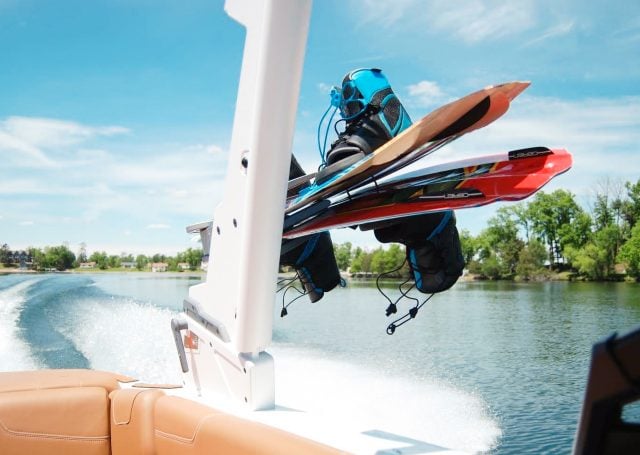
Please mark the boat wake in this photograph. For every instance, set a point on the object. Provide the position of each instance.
(70, 322)
(123, 335)
(410, 411)
(14, 351)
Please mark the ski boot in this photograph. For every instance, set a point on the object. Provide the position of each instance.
(311, 256)
(433, 248)
(372, 114)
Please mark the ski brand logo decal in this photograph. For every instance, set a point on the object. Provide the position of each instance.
(463, 194)
(529, 153)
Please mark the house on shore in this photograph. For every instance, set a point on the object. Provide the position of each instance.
(159, 267)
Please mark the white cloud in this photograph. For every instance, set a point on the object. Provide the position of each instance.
(471, 21)
(25, 140)
(17, 150)
(383, 13)
(47, 132)
(88, 192)
(211, 149)
(425, 94)
(552, 32)
(474, 21)
(26, 223)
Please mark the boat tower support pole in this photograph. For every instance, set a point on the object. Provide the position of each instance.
(236, 303)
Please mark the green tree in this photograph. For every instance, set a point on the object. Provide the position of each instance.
(590, 261)
(5, 254)
(141, 261)
(37, 258)
(114, 261)
(521, 216)
(395, 257)
(158, 258)
(58, 257)
(630, 207)
(578, 232)
(124, 257)
(531, 260)
(630, 253)
(173, 262)
(596, 260)
(378, 261)
(549, 213)
(491, 267)
(193, 257)
(342, 252)
(387, 260)
(500, 245)
(602, 212)
(361, 262)
(101, 259)
(469, 246)
(608, 240)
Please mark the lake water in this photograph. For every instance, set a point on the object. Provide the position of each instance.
(497, 367)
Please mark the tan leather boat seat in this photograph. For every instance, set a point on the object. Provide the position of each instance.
(132, 429)
(56, 411)
(186, 427)
(68, 420)
(84, 412)
(12, 381)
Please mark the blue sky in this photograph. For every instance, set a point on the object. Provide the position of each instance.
(115, 116)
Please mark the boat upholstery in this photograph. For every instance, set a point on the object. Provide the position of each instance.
(54, 379)
(70, 421)
(132, 421)
(74, 412)
(185, 427)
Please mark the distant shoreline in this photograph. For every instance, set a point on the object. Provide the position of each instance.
(12, 271)
(466, 278)
(9, 271)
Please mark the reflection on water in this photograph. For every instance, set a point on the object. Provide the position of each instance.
(485, 364)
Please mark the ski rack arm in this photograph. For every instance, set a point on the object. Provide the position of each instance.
(204, 229)
(246, 234)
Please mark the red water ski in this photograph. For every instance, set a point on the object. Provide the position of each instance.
(508, 180)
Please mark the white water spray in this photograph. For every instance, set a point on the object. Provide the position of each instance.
(122, 335)
(410, 411)
(14, 352)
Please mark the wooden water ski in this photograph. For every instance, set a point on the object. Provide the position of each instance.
(436, 129)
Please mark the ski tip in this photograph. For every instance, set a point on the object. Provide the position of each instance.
(510, 89)
(513, 89)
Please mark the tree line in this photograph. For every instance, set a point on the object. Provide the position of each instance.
(535, 239)
(530, 240)
(62, 258)
(359, 261)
